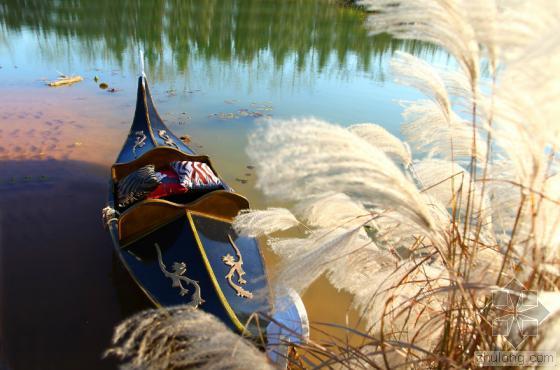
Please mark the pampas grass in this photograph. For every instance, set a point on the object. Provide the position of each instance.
(422, 239)
(255, 223)
(182, 338)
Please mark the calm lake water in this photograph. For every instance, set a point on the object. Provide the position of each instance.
(212, 65)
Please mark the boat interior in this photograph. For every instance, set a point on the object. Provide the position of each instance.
(147, 215)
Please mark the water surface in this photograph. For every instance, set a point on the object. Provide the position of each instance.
(214, 67)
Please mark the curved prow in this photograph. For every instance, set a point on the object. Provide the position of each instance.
(148, 130)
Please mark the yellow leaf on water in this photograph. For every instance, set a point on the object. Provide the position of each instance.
(65, 81)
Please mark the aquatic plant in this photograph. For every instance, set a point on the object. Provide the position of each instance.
(422, 244)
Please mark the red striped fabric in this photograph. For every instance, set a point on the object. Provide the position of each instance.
(196, 175)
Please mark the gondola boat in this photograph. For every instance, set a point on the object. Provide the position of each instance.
(179, 245)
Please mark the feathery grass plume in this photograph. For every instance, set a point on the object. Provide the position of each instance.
(182, 337)
(441, 22)
(255, 223)
(384, 140)
(431, 132)
(527, 110)
(315, 254)
(397, 233)
(331, 210)
(432, 125)
(414, 72)
(300, 158)
(448, 182)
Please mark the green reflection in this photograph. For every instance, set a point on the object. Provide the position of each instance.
(239, 30)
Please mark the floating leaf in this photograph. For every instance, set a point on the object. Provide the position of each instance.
(64, 80)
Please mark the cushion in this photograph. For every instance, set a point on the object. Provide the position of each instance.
(169, 185)
(196, 175)
(137, 185)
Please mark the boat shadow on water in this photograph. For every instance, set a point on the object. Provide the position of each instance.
(61, 288)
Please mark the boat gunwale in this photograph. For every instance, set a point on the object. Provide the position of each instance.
(179, 207)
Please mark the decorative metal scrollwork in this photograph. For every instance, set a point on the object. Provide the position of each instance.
(236, 268)
(177, 278)
(140, 141)
(166, 139)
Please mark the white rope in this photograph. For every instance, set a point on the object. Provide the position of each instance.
(109, 215)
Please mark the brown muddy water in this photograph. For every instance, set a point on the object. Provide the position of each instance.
(209, 64)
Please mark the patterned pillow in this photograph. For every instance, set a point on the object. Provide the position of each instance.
(196, 175)
(137, 185)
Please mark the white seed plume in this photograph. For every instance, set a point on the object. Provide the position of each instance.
(182, 337)
(316, 254)
(414, 72)
(444, 23)
(384, 140)
(263, 222)
(300, 158)
(432, 125)
(332, 210)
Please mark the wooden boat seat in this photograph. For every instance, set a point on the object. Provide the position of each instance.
(159, 157)
(148, 215)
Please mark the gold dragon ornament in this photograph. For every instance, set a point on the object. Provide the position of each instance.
(236, 268)
(140, 141)
(178, 277)
(166, 139)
